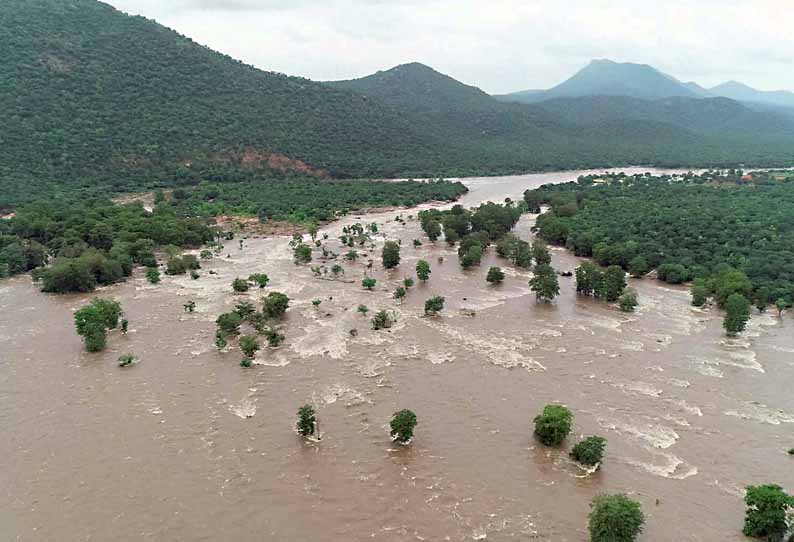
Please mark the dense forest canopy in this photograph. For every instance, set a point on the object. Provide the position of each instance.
(301, 201)
(687, 227)
(97, 100)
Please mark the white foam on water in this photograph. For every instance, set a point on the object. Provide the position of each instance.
(246, 408)
(340, 392)
(673, 467)
(657, 436)
(636, 388)
(751, 410)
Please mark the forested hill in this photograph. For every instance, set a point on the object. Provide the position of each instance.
(97, 99)
(90, 93)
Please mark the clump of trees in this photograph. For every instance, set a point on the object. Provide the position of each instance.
(553, 424)
(94, 320)
(608, 285)
(615, 518)
(766, 516)
(402, 425)
(240, 285)
(590, 451)
(260, 279)
(302, 253)
(275, 305)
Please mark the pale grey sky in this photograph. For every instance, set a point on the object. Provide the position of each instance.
(497, 45)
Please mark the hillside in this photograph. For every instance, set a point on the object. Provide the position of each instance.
(744, 93)
(608, 78)
(91, 93)
(709, 116)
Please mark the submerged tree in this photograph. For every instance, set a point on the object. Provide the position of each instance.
(553, 425)
(402, 426)
(615, 518)
(307, 420)
(126, 360)
(399, 293)
(302, 254)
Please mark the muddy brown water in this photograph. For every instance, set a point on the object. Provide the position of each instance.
(187, 446)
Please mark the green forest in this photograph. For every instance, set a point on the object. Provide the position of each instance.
(301, 201)
(713, 226)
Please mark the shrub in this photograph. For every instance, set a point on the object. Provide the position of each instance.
(240, 285)
(628, 301)
(590, 451)
(126, 359)
(153, 275)
(615, 518)
(176, 266)
(553, 425)
(302, 254)
(382, 320)
(402, 425)
(273, 337)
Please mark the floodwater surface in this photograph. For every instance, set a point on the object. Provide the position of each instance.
(188, 446)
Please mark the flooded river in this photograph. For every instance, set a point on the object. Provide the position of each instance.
(188, 446)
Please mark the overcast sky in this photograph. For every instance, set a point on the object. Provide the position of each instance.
(497, 45)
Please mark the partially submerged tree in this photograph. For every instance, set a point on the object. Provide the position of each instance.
(434, 305)
(495, 275)
(126, 360)
(544, 283)
(399, 293)
(737, 314)
(628, 301)
(153, 275)
(275, 305)
(307, 420)
(615, 518)
(766, 512)
(229, 323)
(423, 270)
(369, 283)
(240, 285)
(249, 345)
(93, 321)
(402, 426)
(260, 279)
(780, 305)
(553, 425)
(590, 451)
(700, 293)
(363, 309)
(382, 320)
(302, 254)
(391, 254)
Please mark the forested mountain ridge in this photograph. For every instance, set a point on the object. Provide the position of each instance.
(98, 100)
